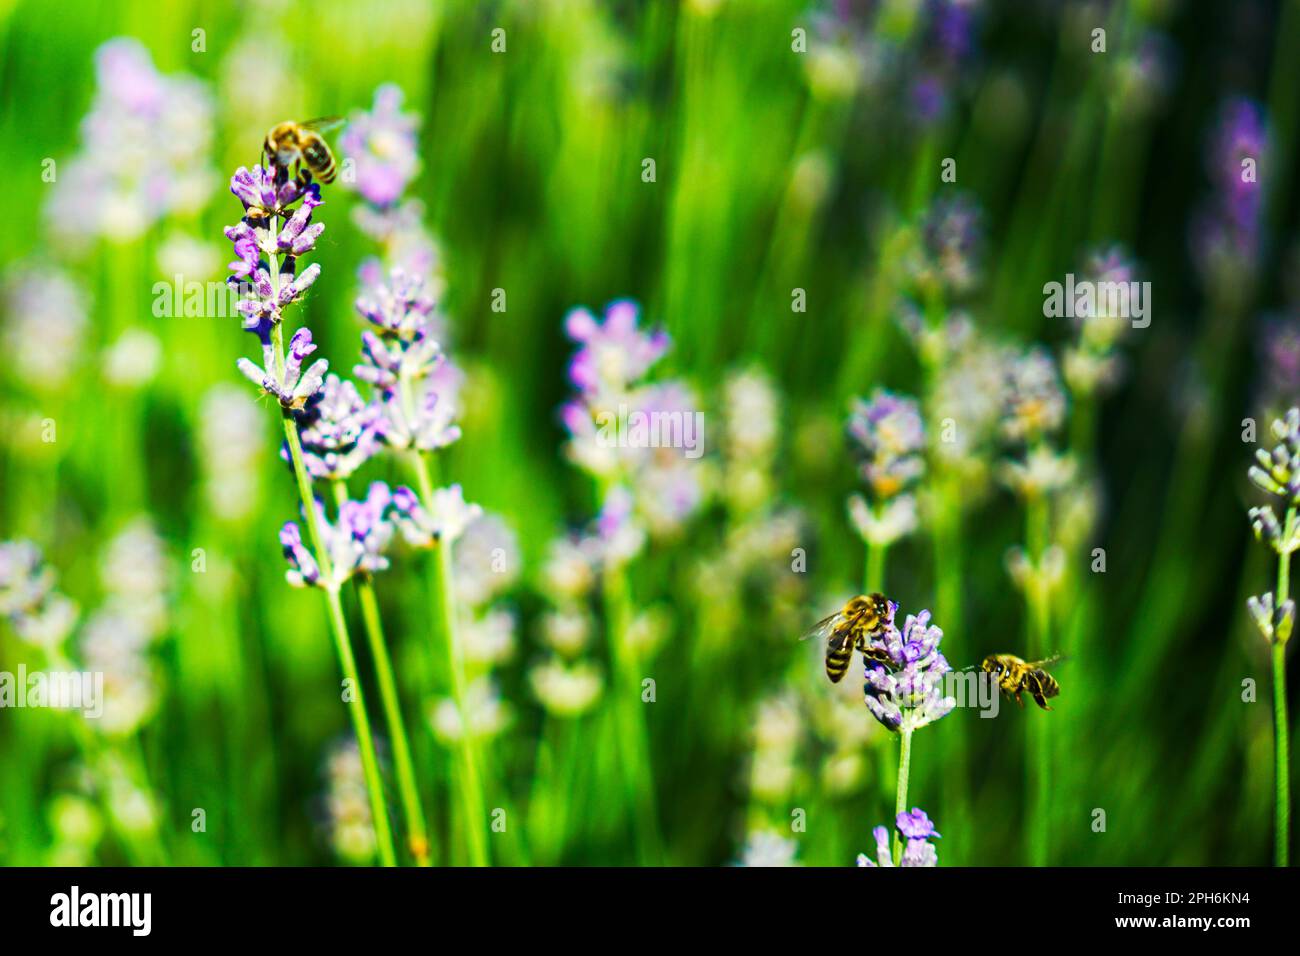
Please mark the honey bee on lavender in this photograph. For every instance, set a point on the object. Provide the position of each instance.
(853, 626)
(303, 144)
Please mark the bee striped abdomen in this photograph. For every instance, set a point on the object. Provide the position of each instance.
(839, 652)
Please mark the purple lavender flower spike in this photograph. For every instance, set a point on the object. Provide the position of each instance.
(615, 354)
(339, 431)
(367, 523)
(916, 825)
(891, 441)
(303, 570)
(446, 518)
(909, 696)
(917, 830)
(297, 386)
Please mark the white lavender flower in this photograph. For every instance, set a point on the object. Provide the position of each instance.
(231, 450)
(764, 848)
(38, 613)
(45, 325)
(487, 560)
(566, 690)
(485, 713)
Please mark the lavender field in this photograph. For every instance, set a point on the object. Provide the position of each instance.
(450, 482)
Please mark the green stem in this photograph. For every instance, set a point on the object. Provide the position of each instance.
(1281, 731)
(630, 719)
(418, 838)
(900, 798)
(338, 624)
(1037, 536)
(875, 574)
(442, 584)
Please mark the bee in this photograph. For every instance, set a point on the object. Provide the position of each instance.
(862, 618)
(1016, 677)
(303, 144)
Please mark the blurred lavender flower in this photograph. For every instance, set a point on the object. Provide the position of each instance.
(566, 690)
(38, 613)
(487, 560)
(144, 150)
(1227, 234)
(230, 449)
(910, 696)
(1041, 472)
(951, 243)
(445, 520)
(1090, 364)
(1034, 401)
(1279, 363)
(485, 713)
(350, 825)
(612, 356)
(890, 441)
(764, 848)
(383, 144)
(648, 488)
(339, 431)
(916, 828)
(751, 428)
(45, 326)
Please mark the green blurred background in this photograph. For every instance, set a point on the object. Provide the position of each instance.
(775, 170)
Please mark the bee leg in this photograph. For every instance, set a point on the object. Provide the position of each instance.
(1040, 700)
(1020, 700)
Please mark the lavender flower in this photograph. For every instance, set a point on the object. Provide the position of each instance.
(1275, 624)
(890, 441)
(917, 829)
(445, 520)
(1034, 402)
(144, 150)
(648, 489)
(356, 542)
(45, 326)
(487, 560)
(384, 146)
(339, 431)
(351, 826)
(1090, 364)
(764, 848)
(951, 241)
(230, 447)
(612, 355)
(566, 690)
(296, 386)
(38, 613)
(1278, 472)
(1227, 234)
(909, 696)
(266, 195)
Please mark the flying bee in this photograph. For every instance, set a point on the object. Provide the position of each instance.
(852, 626)
(1016, 677)
(303, 144)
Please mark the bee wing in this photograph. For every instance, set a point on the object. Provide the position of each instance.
(324, 124)
(1054, 659)
(823, 627)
